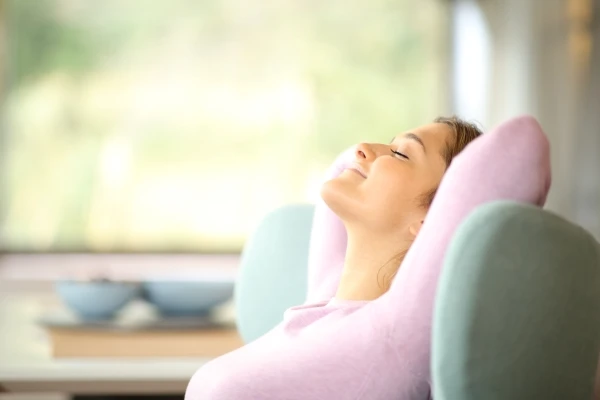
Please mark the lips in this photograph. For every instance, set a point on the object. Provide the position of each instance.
(357, 169)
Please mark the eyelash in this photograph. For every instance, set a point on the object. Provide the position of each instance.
(400, 154)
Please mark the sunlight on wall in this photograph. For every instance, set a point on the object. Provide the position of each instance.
(472, 61)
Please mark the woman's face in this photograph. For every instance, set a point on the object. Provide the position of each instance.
(384, 186)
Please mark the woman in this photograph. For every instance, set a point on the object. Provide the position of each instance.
(371, 341)
(382, 197)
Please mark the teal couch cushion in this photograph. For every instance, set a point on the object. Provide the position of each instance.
(517, 313)
(272, 275)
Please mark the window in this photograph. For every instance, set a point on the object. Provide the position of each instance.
(174, 126)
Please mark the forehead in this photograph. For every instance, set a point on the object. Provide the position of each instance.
(434, 132)
(434, 136)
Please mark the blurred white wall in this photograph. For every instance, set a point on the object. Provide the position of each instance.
(538, 57)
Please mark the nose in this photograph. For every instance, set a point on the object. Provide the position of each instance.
(364, 152)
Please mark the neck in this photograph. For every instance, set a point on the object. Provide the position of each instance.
(370, 263)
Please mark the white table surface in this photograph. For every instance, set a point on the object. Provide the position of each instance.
(27, 366)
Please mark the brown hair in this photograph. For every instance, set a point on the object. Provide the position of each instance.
(463, 133)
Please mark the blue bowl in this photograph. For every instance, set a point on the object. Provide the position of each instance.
(187, 298)
(96, 300)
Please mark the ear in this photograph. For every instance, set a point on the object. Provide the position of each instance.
(414, 228)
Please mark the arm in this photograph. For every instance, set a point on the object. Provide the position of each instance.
(327, 242)
(512, 163)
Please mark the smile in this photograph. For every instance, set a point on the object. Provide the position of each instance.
(358, 171)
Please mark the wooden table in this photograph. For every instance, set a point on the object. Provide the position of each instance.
(26, 364)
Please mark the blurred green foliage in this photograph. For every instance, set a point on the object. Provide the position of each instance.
(137, 125)
(38, 42)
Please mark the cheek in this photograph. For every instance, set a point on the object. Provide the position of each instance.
(392, 179)
(389, 190)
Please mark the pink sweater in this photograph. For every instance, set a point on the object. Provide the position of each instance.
(378, 350)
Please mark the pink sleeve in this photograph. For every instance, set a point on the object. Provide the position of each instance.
(327, 243)
(509, 163)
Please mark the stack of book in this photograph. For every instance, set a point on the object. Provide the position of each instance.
(146, 337)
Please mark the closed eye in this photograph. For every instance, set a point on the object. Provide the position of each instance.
(400, 154)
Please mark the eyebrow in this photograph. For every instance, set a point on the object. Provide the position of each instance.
(414, 137)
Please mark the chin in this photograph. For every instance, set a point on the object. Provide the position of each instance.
(342, 198)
